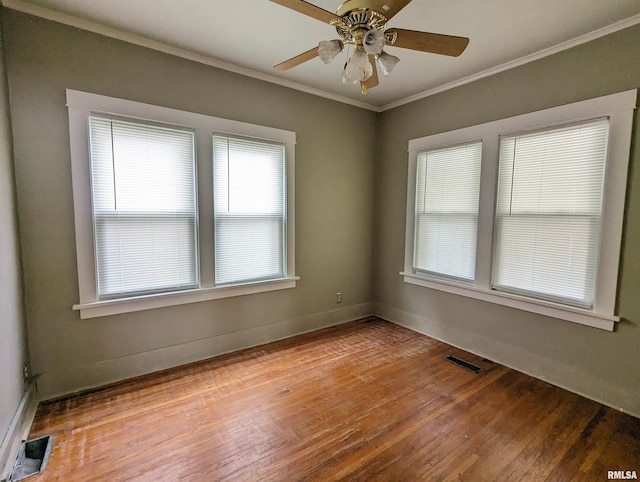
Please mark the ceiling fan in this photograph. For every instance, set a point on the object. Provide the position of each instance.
(363, 24)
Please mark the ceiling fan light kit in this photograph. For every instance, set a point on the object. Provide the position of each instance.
(329, 49)
(373, 41)
(363, 24)
(387, 62)
(358, 68)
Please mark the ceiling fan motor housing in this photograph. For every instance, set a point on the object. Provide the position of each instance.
(351, 5)
(358, 20)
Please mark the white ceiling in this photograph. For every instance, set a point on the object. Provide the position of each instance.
(254, 35)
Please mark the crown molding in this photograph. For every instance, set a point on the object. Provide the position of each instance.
(601, 32)
(73, 21)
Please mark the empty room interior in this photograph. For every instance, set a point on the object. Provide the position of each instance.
(411, 252)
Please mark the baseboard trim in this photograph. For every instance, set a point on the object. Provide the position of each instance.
(18, 430)
(72, 380)
(568, 378)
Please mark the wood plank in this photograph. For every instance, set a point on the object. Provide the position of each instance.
(308, 9)
(435, 43)
(297, 60)
(366, 400)
(389, 8)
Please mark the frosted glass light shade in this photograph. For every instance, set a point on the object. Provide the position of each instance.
(373, 41)
(329, 49)
(387, 62)
(358, 68)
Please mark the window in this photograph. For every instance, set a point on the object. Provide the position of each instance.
(144, 207)
(447, 189)
(249, 200)
(174, 207)
(548, 223)
(548, 212)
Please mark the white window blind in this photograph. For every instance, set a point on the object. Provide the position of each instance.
(447, 194)
(548, 212)
(249, 209)
(144, 207)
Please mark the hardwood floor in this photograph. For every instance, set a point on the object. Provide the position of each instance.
(363, 401)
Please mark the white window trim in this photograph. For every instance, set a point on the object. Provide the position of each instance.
(619, 108)
(80, 106)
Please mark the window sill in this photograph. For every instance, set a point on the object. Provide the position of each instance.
(161, 300)
(575, 315)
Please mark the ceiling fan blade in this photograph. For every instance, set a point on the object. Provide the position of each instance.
(434, 43)
(389, 8)
(372, 81)
(308, 9)
(297, 60)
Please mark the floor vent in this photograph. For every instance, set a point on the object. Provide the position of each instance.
(463, 364)
(32, 458)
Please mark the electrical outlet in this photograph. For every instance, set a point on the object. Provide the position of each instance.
(25, 372)
(338, 297)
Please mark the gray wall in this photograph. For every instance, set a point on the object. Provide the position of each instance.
(334, 206)
(13, 353)
(599, 364)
